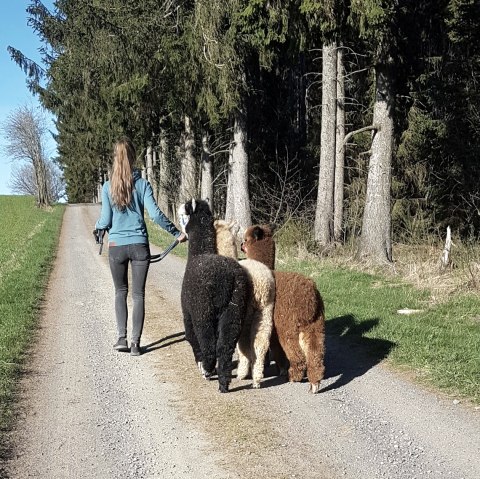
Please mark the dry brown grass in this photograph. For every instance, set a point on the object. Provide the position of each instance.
(418, 265)
(421, 266)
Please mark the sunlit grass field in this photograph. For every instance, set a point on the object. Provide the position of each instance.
(28, 241)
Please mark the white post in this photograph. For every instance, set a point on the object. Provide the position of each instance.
(445, 260)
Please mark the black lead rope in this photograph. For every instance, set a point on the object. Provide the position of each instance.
(99, 234)
(158, 257)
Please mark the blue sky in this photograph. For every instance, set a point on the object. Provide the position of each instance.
(14, 93)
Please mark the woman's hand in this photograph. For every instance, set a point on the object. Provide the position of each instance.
(182, 238)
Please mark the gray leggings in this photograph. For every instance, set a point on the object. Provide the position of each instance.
(119, 257)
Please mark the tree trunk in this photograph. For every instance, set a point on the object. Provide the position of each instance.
(43, 197)
(154, 180)
(149, 169)
(206, 171)
(238, 199)
(326, 178)
(375, 240)
(40, 174)
(339, 150)
(297, 85)
(163, 174)
(230, 200)
(98, 196)
(188, 180)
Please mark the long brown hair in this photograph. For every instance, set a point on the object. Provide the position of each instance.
(121, 183)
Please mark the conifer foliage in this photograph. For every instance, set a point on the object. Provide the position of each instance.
(244, 77)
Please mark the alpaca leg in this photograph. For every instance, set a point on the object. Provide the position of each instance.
(278, 354)
(229, 328)
(312, 342)
(262, 325)
(295, 356)
(244, 347)
(243, 357)
(207, 338)
(191, 337)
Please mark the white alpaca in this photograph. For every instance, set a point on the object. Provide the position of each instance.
(254, 339)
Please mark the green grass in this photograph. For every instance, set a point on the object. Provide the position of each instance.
(162, 239)
(28, 240)
(440, 345)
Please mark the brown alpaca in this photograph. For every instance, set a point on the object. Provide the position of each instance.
(257, 328)
(298, 336)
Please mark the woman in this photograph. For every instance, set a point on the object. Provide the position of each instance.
(124, 199)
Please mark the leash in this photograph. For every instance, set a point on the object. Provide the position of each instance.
(99, 234)
(158, 257)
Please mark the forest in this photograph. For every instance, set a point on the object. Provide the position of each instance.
(355, 121)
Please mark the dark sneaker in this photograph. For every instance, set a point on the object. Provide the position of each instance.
(135, 349)
(121, 345)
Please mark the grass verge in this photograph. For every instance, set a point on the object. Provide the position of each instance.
(162, 239)
(28, 240)
(440, 344)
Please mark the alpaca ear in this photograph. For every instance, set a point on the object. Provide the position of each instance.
(258, 233)
(220, 223)
(194, 205)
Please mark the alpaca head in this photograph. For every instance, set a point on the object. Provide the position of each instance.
(225, 236)
(196, 221)
(197, 209)
(258, 244)
(183, 216)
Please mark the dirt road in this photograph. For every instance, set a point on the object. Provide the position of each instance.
(89, 412)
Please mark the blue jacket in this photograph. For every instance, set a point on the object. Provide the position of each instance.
(128, 226)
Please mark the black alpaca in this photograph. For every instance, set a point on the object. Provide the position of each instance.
(214, 296)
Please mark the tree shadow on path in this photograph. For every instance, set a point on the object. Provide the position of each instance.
(349, 354)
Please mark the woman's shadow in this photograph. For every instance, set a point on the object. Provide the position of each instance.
(164, 342)
(349, 354)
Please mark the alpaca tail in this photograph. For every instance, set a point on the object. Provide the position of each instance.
(312, 343)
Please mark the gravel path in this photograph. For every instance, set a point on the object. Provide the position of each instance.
(88, 412)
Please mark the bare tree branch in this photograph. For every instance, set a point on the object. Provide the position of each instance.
(25, 131)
